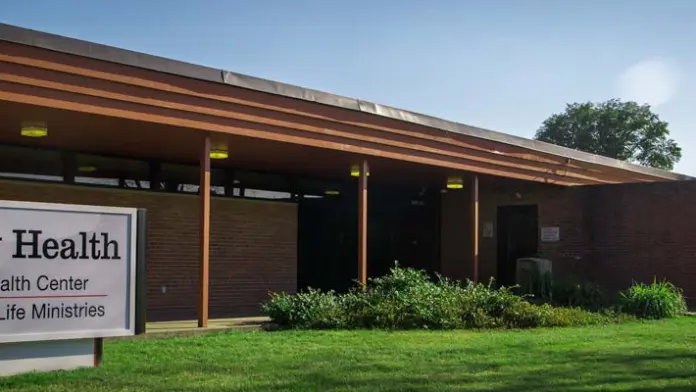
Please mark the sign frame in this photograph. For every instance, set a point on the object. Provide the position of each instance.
(550, 234)
(135, 306)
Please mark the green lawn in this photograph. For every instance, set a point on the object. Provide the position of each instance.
(633, 357)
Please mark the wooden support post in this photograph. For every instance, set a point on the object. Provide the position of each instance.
(475, 223)
(69, 167)
(155, 176)
(362, 224)
(98, 351)
(204, 194)
(229, 183)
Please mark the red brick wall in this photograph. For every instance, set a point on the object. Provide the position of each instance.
(643, 231)
(253, 246)
(557, 207)
(456, 244)
(610, 234)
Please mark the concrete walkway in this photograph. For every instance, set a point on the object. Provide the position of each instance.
(213, 324)
(190, 327)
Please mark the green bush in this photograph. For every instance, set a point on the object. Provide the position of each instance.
(654, 301)
(312, 309)
(585, 295)
(409, 299)
(522, 315)
(526, 315)
(483, 306)
(404, 299)
(492, 301)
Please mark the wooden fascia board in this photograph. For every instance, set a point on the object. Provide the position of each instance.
(102, 89)
(44, 78)
(69, 63)
(38, 96)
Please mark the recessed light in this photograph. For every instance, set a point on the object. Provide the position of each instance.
(34, 129)
(455, 183)
(218, 154)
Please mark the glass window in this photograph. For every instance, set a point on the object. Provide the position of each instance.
(30, 163)
(264, 186)
(186, 178)
(262, 194)
(110, 171)
(312, 189)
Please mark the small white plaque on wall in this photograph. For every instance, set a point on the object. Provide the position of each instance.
(487, 231)
(550, 234)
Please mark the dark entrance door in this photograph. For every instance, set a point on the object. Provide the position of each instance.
(327, 238)
(403, 225)
(518, 236)
(415, 232)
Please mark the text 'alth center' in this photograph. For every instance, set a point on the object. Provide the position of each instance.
(253, 186)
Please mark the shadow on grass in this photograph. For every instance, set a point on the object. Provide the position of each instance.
(572, 371)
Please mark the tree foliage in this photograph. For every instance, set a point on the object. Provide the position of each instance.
(622, 130)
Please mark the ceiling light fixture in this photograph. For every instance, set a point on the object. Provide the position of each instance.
(355, 171)
(34, 129)
(332, 193)
(219, 154)
(219, 151)
(455, 183)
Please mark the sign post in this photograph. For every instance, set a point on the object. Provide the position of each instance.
(68, 278)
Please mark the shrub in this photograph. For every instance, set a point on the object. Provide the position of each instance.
(408, 299)
(526, 315)
(655, 301)
(492, 301)
(586, 295)
(404, 299)
(483, 305)
(522, 315)
(312, 309)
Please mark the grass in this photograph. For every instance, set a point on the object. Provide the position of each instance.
(641, 356)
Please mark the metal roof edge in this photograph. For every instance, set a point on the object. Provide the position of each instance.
(77, 47)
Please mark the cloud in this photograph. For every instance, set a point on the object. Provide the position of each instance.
(652, 81)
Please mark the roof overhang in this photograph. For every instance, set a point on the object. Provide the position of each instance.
(64, 73)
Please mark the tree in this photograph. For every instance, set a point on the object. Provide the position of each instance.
(615, 129)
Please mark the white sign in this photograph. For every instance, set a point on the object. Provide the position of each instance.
(487, 229)
(550, 234)
(66, 271)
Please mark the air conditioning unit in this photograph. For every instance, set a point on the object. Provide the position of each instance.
(534, 276)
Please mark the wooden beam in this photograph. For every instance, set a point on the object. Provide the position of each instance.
(204, 193)
(137, 83)
(395, 138)
(475, 223)
(131, 111)
(362, 223)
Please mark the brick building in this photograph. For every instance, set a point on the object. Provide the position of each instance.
(253, 186)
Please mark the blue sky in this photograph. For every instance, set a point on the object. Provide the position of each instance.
(498, 64)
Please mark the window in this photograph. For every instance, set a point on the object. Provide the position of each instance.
(264, 186)
(186, 179)
(109, 171)
(30, 163)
